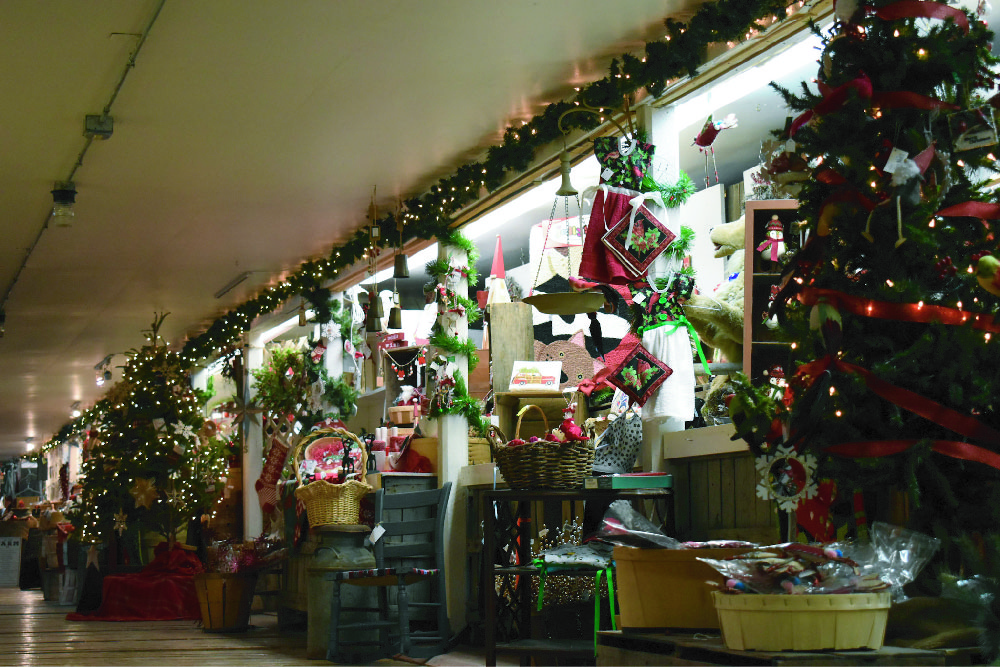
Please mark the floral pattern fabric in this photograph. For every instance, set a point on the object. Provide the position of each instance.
(623, 170)
(635, 370)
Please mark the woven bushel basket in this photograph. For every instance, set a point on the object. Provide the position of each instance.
(542, 464)
(328, 503)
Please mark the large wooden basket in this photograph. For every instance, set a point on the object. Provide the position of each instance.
(328, 503)
(542, 464)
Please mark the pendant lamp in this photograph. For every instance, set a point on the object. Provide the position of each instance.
(401, 269)
(564, 303)
(395, 313)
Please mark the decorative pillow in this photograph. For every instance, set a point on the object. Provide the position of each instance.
(616, 450)
(567, 556)
(638, 241)
(635, 371)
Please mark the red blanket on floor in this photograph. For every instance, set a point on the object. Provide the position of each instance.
(163, 591)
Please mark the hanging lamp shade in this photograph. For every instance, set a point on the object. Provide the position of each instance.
(375, 305)
(395, 318)
(373, 322)
(401, 270)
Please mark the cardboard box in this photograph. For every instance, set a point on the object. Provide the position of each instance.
(668, 588)
(401, 414)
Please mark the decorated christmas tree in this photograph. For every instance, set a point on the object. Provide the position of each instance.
(890, 307)
(155, 463)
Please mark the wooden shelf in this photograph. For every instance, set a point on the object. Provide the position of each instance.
(760, 276)
(574, 649)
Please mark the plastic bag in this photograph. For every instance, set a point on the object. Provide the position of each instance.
(895, 554)
(623, 526)
(892, 558)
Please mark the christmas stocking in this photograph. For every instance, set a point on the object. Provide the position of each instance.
(266, 484)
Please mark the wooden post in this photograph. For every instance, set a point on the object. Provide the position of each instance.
(453, 439)
(512, 338)
(253, 457)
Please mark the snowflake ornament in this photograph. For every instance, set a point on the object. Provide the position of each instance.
(144, 491)
(786, 476)
(120, 526)
(184, 431)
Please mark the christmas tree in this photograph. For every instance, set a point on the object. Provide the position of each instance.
(890, 306)
(155, 462)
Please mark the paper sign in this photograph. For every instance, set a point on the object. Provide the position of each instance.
(536, 376)
(10, 561)
(896, 158)
(626, 145)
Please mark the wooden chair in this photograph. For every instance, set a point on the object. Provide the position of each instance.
(408, 552)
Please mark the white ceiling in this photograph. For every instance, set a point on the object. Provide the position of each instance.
(247, 137)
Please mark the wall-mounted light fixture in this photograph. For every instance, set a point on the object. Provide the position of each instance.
(103, 370)
(63, 199)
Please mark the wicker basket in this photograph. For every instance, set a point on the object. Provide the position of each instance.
(327, 503)
(542, 464)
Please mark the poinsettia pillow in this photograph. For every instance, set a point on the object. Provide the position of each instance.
(634, 370)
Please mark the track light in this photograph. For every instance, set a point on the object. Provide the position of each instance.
(63, 199)
(75, 409)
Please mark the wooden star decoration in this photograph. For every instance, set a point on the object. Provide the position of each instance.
(144, 491)
(120, 522)
(174, 498)
(92, 557)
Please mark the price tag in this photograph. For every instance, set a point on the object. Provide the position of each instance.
(896, 158)
(626, 145)
(639, 298)
(607, 174)
(377, 533)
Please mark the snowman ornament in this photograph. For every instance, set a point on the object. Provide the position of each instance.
(773, 246)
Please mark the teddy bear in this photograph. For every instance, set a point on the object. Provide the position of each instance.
(718, 317)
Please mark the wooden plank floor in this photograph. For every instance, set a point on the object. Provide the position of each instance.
(36, 632)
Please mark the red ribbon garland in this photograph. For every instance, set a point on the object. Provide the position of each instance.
(924, 9)
(903, 312)
(972, 209)
(929, 409)
(833, 99)
(904, 99)
(952, 448)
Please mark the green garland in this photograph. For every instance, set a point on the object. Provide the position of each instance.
(430, 215)
(465, 405)
(673, 194)
(461, 402)
(452, 345)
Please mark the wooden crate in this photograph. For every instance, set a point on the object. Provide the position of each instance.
(716, 498)
(479, 451)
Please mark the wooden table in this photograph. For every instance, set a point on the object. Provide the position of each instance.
(514, 543)
(618, 648)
